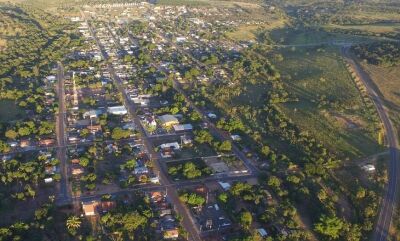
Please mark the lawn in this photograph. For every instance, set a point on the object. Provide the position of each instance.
(9, 111)
(328, 104)
(374, 28)
(387, 80)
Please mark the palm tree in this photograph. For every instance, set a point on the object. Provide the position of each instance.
(73, 223)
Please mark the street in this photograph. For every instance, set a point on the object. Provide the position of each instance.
(64, 194)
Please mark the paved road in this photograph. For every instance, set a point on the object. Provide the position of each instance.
(388, 203)
(64, 193)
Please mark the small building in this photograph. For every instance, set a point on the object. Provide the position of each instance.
(168, 120)
(226, 186)
(369, 168)
(150, 121)
(236, 137)
(77, 170)
(12, 143)
(24, 143)
(49, 169)
(117, 110)
(262, 232)
(48, 180)
(46, 142)
(94, 128)
(155, 180)
(51, 78)
(75, 161)
(92, 113)
(183, 127)
(212, 116)
(171, 234)
(107, 206)
(180, 39)
(141, 170)
(186, 140)
(172, 145)
(156, 196)
(90, 208)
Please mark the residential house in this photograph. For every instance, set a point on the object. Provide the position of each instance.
(183, 127)
(168, 120)
(171, 234)
(90, 208)
(46, 142)
(76, 170)
(117, 110)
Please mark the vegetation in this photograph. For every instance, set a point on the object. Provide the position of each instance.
(385, 54)
(193, 199)
(189, 170)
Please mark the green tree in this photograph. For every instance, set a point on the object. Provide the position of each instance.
(119, 133)
(192, 199)
(225, 146)
(11, 134)
(131, 222)
(203, 136)
(274, 182)
(265, 150)
(223, 197)
(84, 161)
(330, 227)
(245, 219)
(4, 147)
(190, 170)
(73, 223)
(24, 131)
(131, 164)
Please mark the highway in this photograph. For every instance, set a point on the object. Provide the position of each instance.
(388, 203)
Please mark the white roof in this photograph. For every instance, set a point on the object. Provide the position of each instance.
(48, 180)
(183, 127)
(175, 145)
(262, 232)
(369, 167)
(226, 186)
(117, 109)
(212, 115)
(168, 118)
(235, 137)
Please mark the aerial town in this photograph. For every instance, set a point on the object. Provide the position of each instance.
(196, 120)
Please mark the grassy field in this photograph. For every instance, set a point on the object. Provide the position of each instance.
(3, 43)
(374, 28)
(387, 80)
(249, 32)
(304, 36)
(227, 3)
(314, 76)
(9, 111)
(183, 2)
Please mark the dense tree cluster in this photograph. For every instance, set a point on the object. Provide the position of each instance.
(189, 170)
(39, 227)
(379, 53)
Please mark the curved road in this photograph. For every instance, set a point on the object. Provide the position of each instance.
(388, 203)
